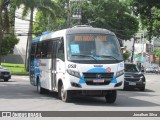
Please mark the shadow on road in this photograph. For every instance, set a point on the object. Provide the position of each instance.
(124, 99)
(7, 81)
(18, 90)
(137, 90)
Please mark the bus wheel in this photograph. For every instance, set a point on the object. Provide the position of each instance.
(111, 96)
(65, 96)
(40, 90)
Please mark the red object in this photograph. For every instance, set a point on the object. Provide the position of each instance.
(108, 69)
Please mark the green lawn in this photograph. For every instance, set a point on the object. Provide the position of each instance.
(17, 69)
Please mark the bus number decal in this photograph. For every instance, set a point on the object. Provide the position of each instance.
(72, 66)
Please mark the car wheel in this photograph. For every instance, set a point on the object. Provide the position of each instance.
(64, 94)
(6, 80)
(40, 90)
(111, 96)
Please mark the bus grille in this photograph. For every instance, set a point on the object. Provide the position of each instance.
(104, 77)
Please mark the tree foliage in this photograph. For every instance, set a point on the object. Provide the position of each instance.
(126, 55)
(46, 6)
(148, 11)
(8, 43)
(7, 38)
(157, 52)
(45, 22)
(112, 15)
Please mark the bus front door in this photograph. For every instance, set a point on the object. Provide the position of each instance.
(53, 65)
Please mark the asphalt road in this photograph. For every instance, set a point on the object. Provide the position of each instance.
(19, 95)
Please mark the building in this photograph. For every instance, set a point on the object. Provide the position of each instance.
(21, 30)
(143, 54)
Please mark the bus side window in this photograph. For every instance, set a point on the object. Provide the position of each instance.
(49, 49)
(60, 51)
(38, 51)
(46, 49)
(33, 47)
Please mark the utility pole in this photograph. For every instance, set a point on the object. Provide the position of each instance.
(76, 14)
(69, 14)
(134, 39)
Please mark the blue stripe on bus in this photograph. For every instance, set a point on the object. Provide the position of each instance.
(97, 70)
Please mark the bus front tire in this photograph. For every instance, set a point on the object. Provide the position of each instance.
(40, 90)
(111, 96)
(64, 94)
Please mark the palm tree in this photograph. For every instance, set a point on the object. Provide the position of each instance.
(5, 19)
(46, 6)
(1, 34)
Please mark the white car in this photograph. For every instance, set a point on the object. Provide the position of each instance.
(150, 70)
(5, 74)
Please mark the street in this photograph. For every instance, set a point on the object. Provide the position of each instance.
(19, 95)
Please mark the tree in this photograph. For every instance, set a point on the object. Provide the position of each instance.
(157, 53)
(46, 6)
(46, 23)
(8, 43)
(112, 15)
(1, 34)
(146, 10)
(42, 24)
(7, 9)
(126, 55)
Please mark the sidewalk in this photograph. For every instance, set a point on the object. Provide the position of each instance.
(20, 77)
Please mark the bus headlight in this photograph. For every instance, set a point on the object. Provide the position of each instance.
(119, 73)
(73, 73)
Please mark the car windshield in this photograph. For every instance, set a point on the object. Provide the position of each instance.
(131, 68)
(93, 47)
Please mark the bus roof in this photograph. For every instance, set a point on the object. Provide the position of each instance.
(37, 39)
(74, 30)
(88, 29)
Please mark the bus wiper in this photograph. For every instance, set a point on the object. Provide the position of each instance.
(108, 56)
(82, 55)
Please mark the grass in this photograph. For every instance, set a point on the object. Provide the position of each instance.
(15, 69)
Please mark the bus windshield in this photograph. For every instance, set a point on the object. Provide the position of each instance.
(93, 47)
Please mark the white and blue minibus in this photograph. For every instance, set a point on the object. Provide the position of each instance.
(78, 61)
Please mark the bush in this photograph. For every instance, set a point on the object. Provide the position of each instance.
(126, 55)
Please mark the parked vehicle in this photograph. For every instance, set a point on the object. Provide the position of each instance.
(133, 77)
(152, 69)
(5, 74)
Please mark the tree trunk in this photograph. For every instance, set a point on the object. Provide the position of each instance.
(1, 34)
(29, 41)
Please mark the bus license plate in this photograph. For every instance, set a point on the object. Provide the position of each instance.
(132, 83)
(98, 81)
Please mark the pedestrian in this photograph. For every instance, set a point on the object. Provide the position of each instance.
(142, 68)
